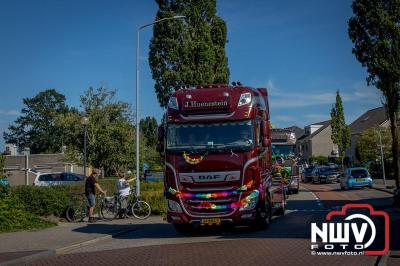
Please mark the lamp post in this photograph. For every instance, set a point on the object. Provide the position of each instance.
(137, 95)
(84, 122)
(382, 159)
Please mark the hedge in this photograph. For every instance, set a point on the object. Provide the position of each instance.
(54, 200)
(15, 217)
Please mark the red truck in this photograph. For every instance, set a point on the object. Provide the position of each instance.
(217, 147)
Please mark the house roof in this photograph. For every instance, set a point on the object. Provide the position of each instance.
(371, 118)
(299, 132)
(279, 134)
(324, 124)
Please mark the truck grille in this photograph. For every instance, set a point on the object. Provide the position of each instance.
(210, 206)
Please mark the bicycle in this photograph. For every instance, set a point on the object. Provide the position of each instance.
(111, 207)
(78, 212)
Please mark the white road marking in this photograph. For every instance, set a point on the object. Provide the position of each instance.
(319, 203)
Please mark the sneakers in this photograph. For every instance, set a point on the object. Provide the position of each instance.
(91, 220)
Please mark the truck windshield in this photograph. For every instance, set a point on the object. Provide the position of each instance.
(226, 135)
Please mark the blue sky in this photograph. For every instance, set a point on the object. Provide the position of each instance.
(300, 50)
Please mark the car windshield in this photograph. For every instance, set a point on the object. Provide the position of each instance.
(309, 170)
(283, 150)
(196, 137)
(326, 170)
(359, 173)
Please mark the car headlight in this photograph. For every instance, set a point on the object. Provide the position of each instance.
(250, 201)
(174, 206)
(245, 98)
(173, 103)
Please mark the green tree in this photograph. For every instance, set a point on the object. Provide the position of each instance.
(148, 127)
(35, 128)
(368, 146)
(375, 31)
(340, 131)
(187, 52)
(110, 131)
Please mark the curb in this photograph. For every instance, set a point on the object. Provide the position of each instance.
(66, 249)
(26, 259)
(63, 250)
(384, 190)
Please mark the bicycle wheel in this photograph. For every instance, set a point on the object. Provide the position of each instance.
(76, 213)
(141, 209)
(109, 211)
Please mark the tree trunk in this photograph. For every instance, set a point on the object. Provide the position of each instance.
(395, 146)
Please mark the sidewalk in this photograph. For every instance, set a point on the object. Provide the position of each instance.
(379, 185)
(20, 247)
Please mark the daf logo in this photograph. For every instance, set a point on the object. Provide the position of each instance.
(209, 177)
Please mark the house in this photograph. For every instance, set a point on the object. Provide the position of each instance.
(317, 141)
(372, 118)
(298, 132)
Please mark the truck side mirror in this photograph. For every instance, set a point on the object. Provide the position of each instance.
(160, 133)
(265, 128)
(160, 147)
(266, 142)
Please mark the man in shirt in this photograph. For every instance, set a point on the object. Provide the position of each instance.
(90, 191)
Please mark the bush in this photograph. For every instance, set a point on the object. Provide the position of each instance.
(54, 200)
(14, 216)
(45, 201)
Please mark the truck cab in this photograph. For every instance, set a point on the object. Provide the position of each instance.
(217, 149)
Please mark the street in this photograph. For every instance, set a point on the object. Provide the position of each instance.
(285, 242)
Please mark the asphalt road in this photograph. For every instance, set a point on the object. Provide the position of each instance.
(286, 242)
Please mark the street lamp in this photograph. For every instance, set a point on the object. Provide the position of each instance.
(137, 95)
(382, 159)
(85, 122)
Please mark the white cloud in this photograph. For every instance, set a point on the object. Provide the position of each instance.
(282, 99)
(284, 118)
(10, 112)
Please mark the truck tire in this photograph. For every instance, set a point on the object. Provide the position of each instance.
(183, 228)
(263, 216)
(281, 210)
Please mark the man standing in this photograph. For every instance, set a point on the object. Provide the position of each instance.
(90, 192)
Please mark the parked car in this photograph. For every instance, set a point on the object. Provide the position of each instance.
(53, 179)
(356, 177)
(324, 174)
(306, 174)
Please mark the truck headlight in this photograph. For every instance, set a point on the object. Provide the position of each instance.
(174, 206)
(251, 201)
(173, 103)
(245, 98)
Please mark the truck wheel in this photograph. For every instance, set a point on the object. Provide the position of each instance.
(183, 228)
(263, 217)
(281, 210)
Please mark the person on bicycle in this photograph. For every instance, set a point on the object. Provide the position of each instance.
(90, 191)
(124, 189)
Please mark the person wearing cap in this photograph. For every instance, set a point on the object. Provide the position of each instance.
(90, 191)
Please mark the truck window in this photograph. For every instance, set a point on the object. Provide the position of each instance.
(227, 135)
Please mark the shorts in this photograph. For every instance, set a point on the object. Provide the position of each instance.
(91, 198)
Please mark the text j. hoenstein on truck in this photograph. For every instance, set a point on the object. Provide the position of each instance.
(217, 148)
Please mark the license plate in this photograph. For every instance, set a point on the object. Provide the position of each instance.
(211, 221)
(360, 179)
